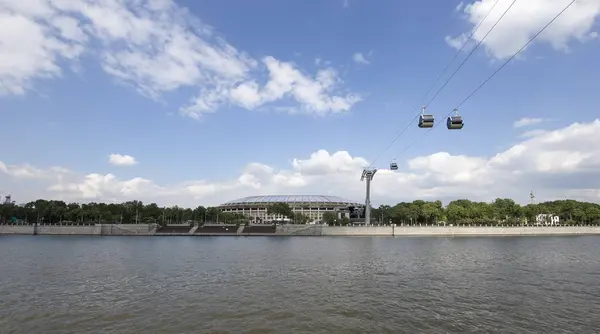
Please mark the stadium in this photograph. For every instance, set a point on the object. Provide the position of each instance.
(312, 206)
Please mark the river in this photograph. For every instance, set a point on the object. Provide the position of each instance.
(299, 285)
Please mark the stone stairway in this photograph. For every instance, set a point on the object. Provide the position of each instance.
(240, 229)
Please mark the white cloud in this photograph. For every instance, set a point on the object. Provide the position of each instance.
(28, 172)
(456, 42)
(360, 58)
(29, 50)
(555, 164)
(525, 19)
(155, 46)
(532, 133)
(526, 121)
(121, 160)
(285, 80)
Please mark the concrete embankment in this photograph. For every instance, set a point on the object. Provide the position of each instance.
(497, 231)
(307, 230)
(428, 231)
(16, 229)
(299, 230)
(98, 229)
(68, 230)
(127, 229)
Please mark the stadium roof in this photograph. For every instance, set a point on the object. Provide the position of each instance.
(292, 199)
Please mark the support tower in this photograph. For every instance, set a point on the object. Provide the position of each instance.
(368, 174)
(8, 200)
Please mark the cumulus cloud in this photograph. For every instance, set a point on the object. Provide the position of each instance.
(154, 46)
(555, 164)
(285, 80)
(527, 122)
(524, 20)
(121, 160)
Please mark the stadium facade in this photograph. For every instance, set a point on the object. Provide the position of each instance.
(312, 206)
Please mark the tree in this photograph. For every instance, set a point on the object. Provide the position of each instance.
(281, 209)
(506, 208)
(329, 218)
(200, 213)
(384, 213)
(432, 211)
(299, 218)
(212, 215)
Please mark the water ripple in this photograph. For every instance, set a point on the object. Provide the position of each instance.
(299, 285)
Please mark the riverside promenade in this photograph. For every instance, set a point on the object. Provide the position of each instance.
(296, 230)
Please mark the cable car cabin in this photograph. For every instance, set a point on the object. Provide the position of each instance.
(454, 123)
(393, 166)
(426, 121)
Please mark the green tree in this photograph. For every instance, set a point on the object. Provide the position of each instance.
(299, 218)
(329, 218)
(384, 213)
(281, 209)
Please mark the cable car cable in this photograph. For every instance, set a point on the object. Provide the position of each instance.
(514, 55)
(494, 73)
(401, 132)
(460, 50)
(471, 53)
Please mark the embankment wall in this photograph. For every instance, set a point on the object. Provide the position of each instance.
(127, 229)
(298, 230)
(16, 229)
(98, 229)
(357, 230)
(313, 230)
(455, 231)
(68, 230)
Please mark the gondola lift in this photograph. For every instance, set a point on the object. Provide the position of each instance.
(425, 120)
(455, 122)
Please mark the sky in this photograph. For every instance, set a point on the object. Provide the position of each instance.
(189, 103)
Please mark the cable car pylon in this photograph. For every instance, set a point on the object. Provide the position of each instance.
(368, 174)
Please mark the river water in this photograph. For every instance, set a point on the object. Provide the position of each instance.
(299, 285)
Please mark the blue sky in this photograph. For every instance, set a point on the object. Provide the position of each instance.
(103, 91)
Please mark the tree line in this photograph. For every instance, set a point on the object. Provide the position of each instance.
(131, 212)
(461, 212)
(503, 211)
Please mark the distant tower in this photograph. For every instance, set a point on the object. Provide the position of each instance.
(8, 200)
(532, 196)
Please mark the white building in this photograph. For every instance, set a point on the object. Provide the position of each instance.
(547, 219)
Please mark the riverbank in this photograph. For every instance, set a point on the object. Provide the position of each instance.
(296, 230)
(97, 229)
